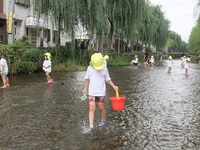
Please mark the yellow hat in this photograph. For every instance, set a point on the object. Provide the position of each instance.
(170, 58)
(136, 56)
(48, 55)
(188, 59)
(97, 61)
(106, 57)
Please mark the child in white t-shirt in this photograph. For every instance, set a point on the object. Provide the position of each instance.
(135, 61)
(4, 72)
(152, 61)
(47, 67)
(96, 77)
(186, 65)
(169, 64)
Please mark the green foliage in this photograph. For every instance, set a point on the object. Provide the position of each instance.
(130, 19)
(194, 39)
(119, 60)
(175, 43)
(20, 59)
(26, 67)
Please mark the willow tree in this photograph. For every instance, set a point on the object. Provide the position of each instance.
(154, 27)
(194, 39)
(124, 19)
(104, 18)
(174, 42)
(161, 32)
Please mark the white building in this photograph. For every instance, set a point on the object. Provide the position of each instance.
(39, 30)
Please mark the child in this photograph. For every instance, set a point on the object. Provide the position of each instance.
(95, 78)
(152, 61)
(186, 65)
(169, 64)
(135, 61)
(4, 72)
(105, 58)
(47, 67)
(146, 58)
(183, 60)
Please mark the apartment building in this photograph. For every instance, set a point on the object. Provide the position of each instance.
(3, 24)
(40, 31)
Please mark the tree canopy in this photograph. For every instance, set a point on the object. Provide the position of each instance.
(130, 19)
(194, 39)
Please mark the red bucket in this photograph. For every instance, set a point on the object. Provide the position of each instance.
(118, 102)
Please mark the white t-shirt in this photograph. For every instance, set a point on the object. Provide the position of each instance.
(97, 81)
(135, 61)
(3, 64)
(47, 63)
(186, 65)
(169, 63)
(105, 63)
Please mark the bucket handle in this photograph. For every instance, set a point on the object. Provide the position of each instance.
(117, 93)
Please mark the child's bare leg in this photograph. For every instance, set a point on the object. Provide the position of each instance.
(4, 81)
(48, 76)
(91, 113)
(7, 81)
(102, 111)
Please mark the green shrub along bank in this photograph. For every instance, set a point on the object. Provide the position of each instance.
(22, 58)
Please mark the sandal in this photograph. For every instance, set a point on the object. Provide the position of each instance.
(102, 123)
(88, 131)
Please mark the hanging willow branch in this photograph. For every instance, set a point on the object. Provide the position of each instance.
(132, 19)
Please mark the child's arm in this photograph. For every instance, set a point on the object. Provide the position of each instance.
(112, 84)
(86, 85)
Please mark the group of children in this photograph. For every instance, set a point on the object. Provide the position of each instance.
(151, 62)
(147, 61)
(184, 63)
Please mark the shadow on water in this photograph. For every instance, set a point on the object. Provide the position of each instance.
(162, 111)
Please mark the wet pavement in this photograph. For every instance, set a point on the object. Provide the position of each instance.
(162, 111)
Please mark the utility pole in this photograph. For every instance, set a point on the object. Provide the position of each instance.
(10, 21)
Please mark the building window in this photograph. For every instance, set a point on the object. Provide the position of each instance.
(25, 3)
(47, 34)
(55, 36)
(1, 35)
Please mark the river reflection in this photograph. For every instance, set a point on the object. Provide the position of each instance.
(162, 111)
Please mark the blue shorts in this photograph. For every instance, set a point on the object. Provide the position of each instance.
(5, 73)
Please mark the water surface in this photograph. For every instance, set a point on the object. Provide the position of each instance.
(162, 111)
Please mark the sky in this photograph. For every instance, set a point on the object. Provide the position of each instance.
(181, 15)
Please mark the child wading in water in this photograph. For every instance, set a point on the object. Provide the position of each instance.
(169, 64)
(186, 65)
(96, 77)
(4, 71)
(135, 61)
(47, 67)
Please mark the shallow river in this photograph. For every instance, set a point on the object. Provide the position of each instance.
(162, 111)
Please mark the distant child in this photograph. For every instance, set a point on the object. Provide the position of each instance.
(186, 65)
(152, 61)
(96, 77)
(135, 61)
(47, 67)
(4, 72)
(183, 60)
(169, 64)
(105, 58)
(146, 58)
